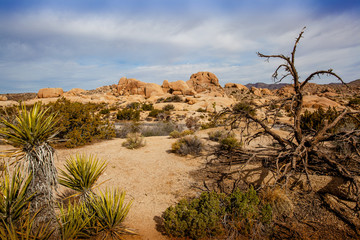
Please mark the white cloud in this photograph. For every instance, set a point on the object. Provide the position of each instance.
(68, 49)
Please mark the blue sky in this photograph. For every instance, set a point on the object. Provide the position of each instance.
(92, 43)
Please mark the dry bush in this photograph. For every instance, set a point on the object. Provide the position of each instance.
(188, 145)
(134, 141)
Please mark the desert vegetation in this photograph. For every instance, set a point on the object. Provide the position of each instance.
(256, 161)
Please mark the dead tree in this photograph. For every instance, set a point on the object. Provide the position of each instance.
(300, 152)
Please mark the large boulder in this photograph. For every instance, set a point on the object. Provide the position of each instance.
(177, 88)
(3, 98)
(313, 101)
(131, 86)
(50, 92)
(153, 89)
(204, 82)
(75, 91)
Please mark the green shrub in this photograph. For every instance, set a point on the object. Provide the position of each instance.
(354, 102)
(229, 143)
(128, 114)
(104, 111)
(243, 107)
(80, 123)
(208, 125)
(134, 141)
(216, 135)
(168, 107)
(134, 105)
(187, 145)
(147, 106)
(174, 98)
(208, 215)
(201, 110)
(155, 112)
(314, 121)
(196, 218)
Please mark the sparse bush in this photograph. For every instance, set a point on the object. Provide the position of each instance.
(159, 129)
(168, 107)
(229, 143)
(187, 145)
(155, 112)
(134, 141)
(214, 214)
(192, 123)
(104, 111)
(354, 102)
(201, 110)
(177, 134)
(174, 98)
(128, 114)
(134, 105)
(281, 204)
(216, 135)
(208, 125)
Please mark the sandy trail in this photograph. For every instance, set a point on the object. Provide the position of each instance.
(154, 178)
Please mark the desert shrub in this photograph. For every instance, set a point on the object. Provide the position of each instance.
(134, 141)
(208, 125)
(177, 134)
(192, 123)
(281, 204)
(216, 135)
(174, 98)
(155, 112)
(187, 145)
(229, 143)
(213, 214)
(104, 111)
(195, 218)
(147, 106)
(159, 129)
(128, 114)
(81, 123)
(244, 107)
(201, 110)
(134, 105)
(354, 102)
(314, 121)
(168, 107)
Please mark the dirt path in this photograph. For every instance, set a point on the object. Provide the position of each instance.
(154, 178)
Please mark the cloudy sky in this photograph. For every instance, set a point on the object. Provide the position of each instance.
(92, 43)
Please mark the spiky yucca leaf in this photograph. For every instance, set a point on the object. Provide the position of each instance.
(13, 199)
(24, 229)
(110, 212)
(31, 128)
(82, 172)
(73, 221)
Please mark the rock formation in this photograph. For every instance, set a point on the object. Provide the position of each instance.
(50, 92)
(205, 82)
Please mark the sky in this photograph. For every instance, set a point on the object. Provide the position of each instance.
(91, 43)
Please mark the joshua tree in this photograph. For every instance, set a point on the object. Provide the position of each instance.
(31, 131)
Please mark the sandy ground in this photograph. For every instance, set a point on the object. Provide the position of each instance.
(152, 177)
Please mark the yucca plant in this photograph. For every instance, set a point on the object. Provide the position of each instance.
(25, 230)
(13, 198)
(82, 173)
(74, 220)
(110, 211)
(31, 131)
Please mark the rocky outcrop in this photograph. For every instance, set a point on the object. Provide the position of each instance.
(3, 98)
(50, 92)
(131, 86)
(153, 89)
(256, 91)
(313, 101)
(179, 87)
(75, 91)
(205, 82)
